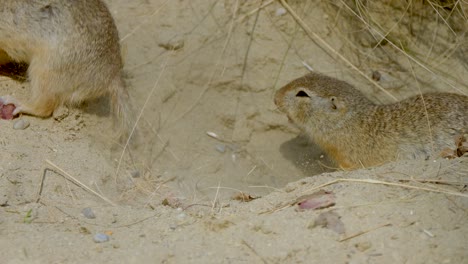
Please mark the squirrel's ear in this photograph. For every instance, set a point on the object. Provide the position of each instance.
(302, 93)
(336, 103)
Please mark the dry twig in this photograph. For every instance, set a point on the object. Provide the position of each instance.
(69, 177)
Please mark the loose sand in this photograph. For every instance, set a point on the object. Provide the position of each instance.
(192, 68)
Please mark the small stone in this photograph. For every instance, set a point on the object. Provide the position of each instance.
(181, 216)
(221, 148)
(84, 230)
(135, 174)
(376, 76)
(280, 11)
(20, 124)
(363, 246)
(101, 238)
(88, 213)
(173, 44)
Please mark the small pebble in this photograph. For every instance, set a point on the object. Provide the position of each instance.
(280, 11)
(88, 213)
(212, 134)
(84, 230)
(173, 44)
(181, 216)
(20, 124)
(100, 238)
(376, 76)
(221, 148)
(135, 174)
(363, 246)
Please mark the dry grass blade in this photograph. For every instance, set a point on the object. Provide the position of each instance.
(363, 232)
(329, 49)
(254, 251)
(69, 177)
(372, 181)
(218, 62)
(144, 22)
(395, 46)
(290, 203)
(429, 126)
(140, 115)
(255, 10)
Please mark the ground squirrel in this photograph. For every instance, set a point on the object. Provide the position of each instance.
(72, 51)
(356, 132)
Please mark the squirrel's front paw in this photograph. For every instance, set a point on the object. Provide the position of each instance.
(8, 107)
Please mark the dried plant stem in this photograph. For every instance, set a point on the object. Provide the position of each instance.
(140, 115)
(382, 36)
(364, 232)
(329, 49)
(69, 177)
(144, 22)
(218, 62)
(372, 181)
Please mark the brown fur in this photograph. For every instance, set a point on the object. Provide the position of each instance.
(356, 132)
(73, 52)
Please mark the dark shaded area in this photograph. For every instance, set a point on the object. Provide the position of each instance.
(306, 156)
(18, 71)
(99, 106)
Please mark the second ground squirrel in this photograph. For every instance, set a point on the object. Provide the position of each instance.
(72, 51)
(355, 132)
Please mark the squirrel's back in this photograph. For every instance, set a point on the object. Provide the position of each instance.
(356, 132)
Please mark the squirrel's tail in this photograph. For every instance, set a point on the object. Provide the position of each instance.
(122, 109)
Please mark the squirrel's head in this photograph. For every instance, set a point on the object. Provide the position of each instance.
(319, 102)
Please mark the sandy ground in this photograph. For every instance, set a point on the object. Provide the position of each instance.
(192, 68)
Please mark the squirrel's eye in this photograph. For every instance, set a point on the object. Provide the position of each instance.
(333, 102)
(302, 94)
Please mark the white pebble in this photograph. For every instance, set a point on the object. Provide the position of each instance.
(100, 238)
(21, 124)
(212, 134)
(181, 216)
(280, 11)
